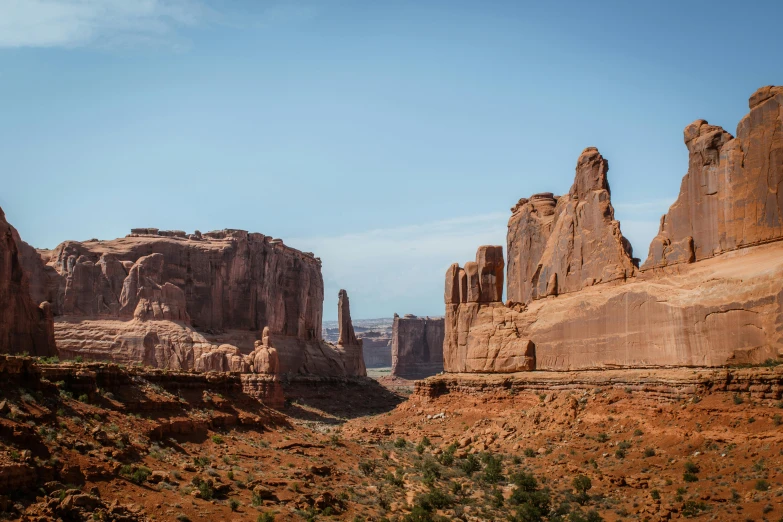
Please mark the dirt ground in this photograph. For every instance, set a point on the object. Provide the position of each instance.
(365, 452)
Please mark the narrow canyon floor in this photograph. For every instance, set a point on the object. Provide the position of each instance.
(614, 445)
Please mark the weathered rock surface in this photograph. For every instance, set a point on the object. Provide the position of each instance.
(558, 245)
(196, 301)
(347, 341)
(417, 345)
(732, 195)
(724, 308)
(25, 325)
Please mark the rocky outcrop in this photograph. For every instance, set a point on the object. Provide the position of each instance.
(732, 195)
(482, 336)
(25, 325)
(347, 341)
(724, 308)
(417, 345)
(559, 245)
(220, 301)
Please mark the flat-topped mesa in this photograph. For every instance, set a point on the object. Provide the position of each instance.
(198, 301)
(732, 195)
(25, 326)
(417, 346)
(559, 245)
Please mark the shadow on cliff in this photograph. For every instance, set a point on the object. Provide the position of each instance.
(333, 401)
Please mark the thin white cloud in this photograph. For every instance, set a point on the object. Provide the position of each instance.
(400, 269)
(75, 23)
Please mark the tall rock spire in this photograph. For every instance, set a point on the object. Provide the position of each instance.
(347, 335)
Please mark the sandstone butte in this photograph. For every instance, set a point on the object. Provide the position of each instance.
(222, 301)
(417, 346)
(709, 294)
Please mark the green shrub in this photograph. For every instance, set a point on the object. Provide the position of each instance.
(529, 453)
(136, 475)
(649, 452)
(637, 432)
(266, 517)
(524, 481)
(655, 494)
(692, 508)
(470, 465)
(689, 477)
(762, 485)
(400, 443)
(691, 467)
(367, 467)
(602, 437)
(217, 439)
(582, 485)
(737, 399)
(234, 504)
(493, 469)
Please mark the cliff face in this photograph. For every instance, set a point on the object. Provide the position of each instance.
(726, 307)
(559, 245)
(347, 341)
(189, 302)
(732, 195)
(417, 346)
(25, 326)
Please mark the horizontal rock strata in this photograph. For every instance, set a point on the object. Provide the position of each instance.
(417, 346)
(702, 298)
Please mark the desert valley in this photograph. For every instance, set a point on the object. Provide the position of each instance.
(182, 376)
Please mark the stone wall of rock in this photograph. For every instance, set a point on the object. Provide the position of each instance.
(417, 346)
(558, 245)
(198, 301)
(724, 308)
(25, 325)
(732, 195)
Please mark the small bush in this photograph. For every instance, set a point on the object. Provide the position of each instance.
(266, 517)
(649, 452)
(692, 508)
(691, 467)
(638, 433)
(217, 439)
(470, 465)
(493, 469)
(136, 475)
(529, 453)
(234, 504)
(620, 453)
(655, 494)
(762, 485)
(582, 485)
(689, 477)
(602, 437)
(400, 443)
(737, 399)
(367, 467)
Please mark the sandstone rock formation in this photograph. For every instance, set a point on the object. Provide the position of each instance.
(725, 308)
(24, 325)
(562, 244)
(417, 345)
(347, 341)
(196, 301)
(483, 336)
(732, 195)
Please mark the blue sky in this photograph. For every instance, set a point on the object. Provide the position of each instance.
(390, 138)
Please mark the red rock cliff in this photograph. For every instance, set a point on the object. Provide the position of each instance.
(559, 245)
(25, 326)
(724, 308)
(732, 195)
(417, 345)
(189, 301)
